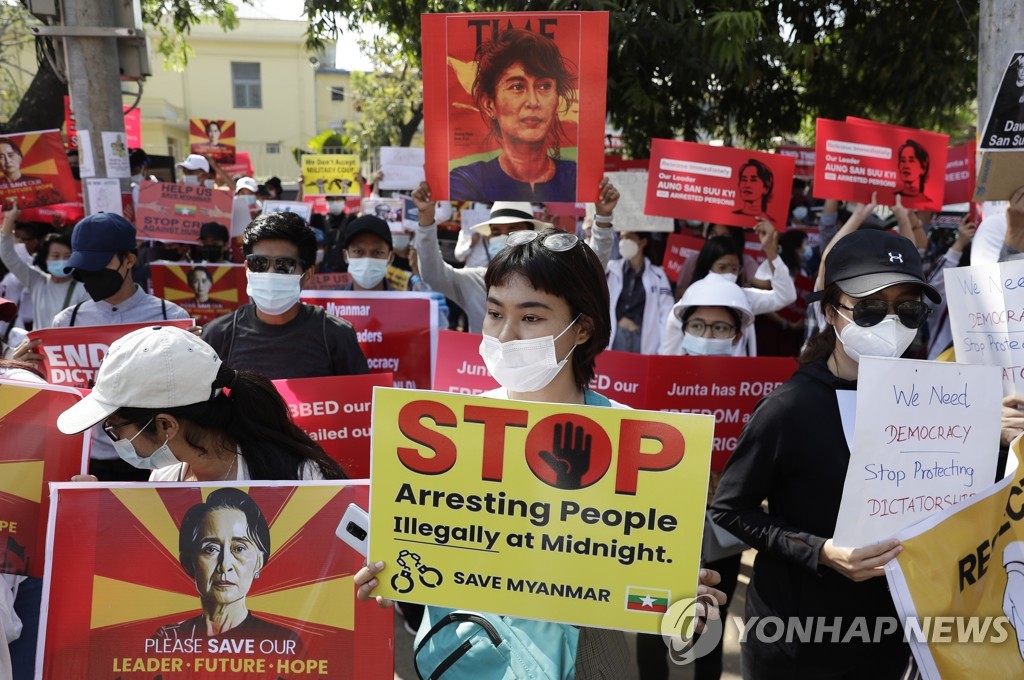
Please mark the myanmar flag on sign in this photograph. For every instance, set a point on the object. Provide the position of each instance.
(647, 599)
(185, 209)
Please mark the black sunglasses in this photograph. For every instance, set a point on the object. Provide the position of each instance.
(912, 313)
(263, 263)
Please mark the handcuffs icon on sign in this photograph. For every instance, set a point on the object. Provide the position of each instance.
(402, 582)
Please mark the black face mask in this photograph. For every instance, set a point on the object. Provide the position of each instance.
(172, 254)
(102, 284)
(211, 253)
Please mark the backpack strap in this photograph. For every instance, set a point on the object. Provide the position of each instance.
(592, 398)
(455, 618)
(67, 296)
(74, 313)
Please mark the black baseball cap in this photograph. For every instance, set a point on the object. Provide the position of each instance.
(371, 224)
(96, 240)
(867, 261)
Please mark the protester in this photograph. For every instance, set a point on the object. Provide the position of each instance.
(368, 253)
(195, 171)
(781, 333)
(465, 287)
(641, 296)
(745, 272)
(573, 326)
(793, 452)
(940, 336)
(160, 397)
(214, 240)
(277, 334)
(471, 249)
(51, 290)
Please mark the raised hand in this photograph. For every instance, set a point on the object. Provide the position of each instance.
(569, 456)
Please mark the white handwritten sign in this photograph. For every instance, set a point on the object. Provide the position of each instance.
(986, 317)
(926, 437)
(629, 213)
(402, 167)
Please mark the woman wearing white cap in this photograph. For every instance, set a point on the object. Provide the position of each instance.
(159, 397)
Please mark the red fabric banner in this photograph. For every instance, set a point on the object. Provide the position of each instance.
(138, 571)
(540, 104)
(718, 184)
(33, 454)
(459, 367)
(335, 412)
(960, 173)
(34, 170)
(206, 291)
(175, 212)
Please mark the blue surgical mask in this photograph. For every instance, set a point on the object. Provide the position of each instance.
(161, 458)
(56, 267)
(496, 244)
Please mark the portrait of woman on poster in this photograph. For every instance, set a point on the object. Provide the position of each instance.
(222, 545)
(200, 281)
(912, 165)
(755, 189)
(522, 85)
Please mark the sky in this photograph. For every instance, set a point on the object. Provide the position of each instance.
(349, 56)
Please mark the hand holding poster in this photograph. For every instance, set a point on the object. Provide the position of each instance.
(33, 455)
(136, 577)
(206, 291)
(719, 184)
(514, 105)
(402, 167)
(856, 158)
(213, 138)
(175, 212)
(331, 174)
(610, 541)
(926, 437)
(34, 170)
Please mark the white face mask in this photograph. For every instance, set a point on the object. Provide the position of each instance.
(335, 207)
(273, 293)
(888, 338)
(728, 276)
(161, 458)
(800, 212)
(209, 184)
(250, 200)
(368, 272)
(495, 244)
(523, 365)
(628, 249)
(191, 180)
(699, 346)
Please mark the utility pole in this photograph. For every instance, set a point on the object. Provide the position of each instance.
(1000, 34)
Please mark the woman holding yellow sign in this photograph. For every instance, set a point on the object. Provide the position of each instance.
(547, 320)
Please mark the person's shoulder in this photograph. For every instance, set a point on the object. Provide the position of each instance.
(175, 312)
(334, 323)
(171, 473)
(466, 180)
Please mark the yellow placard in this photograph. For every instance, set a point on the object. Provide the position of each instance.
(576, 514)
(331, 174)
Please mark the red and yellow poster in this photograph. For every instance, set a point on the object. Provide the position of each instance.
(132, 126)
(213, 138)
(397, 331)
(855, 158)
(718, 184)
(335, 413)
(33, 454)
(34, 170)
(960, 173)
(206, 291)
(72, 356)
(514, 105)
(184, 581)
(546, 511)
(175, 212)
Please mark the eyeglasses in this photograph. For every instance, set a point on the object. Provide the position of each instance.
(559, 242)
(912, 313)
(111, 430)
(719, 329)
(264, 263)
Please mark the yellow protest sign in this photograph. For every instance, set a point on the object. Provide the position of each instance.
(959, 584)
(584, 515)
(330, 174)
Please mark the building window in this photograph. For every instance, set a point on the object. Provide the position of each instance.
(245, 85)
(337, 94)
(273, 148)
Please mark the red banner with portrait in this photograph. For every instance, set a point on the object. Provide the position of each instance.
(72, 356)
(212, 138)
(857, 157)
(335, 412)
(514, 105)
(175, 212)
(960, 173)
(34, 170)
(678, 249)
(397, 331)
(718, 184)
(33, 454)
(141, 574)
(205, 290)
(459, 367)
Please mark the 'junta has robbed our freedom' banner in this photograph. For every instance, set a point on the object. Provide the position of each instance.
(575, 514)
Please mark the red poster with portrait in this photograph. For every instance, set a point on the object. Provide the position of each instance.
(397, 331)
(72, 356)
(718, 184)
(678, 249)
(960, 173)
(528, 86)
(335, 412)
(33, 454)
(34, 170)
(213, 138)
(206, 291)
(858, 157)
(176, 212)
(138, 574)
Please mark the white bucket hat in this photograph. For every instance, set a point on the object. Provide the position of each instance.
(509, 212)
(155, 367)
(715, 291)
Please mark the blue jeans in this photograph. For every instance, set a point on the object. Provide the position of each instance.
(627, 341)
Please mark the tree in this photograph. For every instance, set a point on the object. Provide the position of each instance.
(757, 70)
(389, 99)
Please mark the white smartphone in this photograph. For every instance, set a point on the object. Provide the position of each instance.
(355, 529)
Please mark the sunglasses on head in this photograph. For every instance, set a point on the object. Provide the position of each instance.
(265, 263)
(559, 242)
(912, 313)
